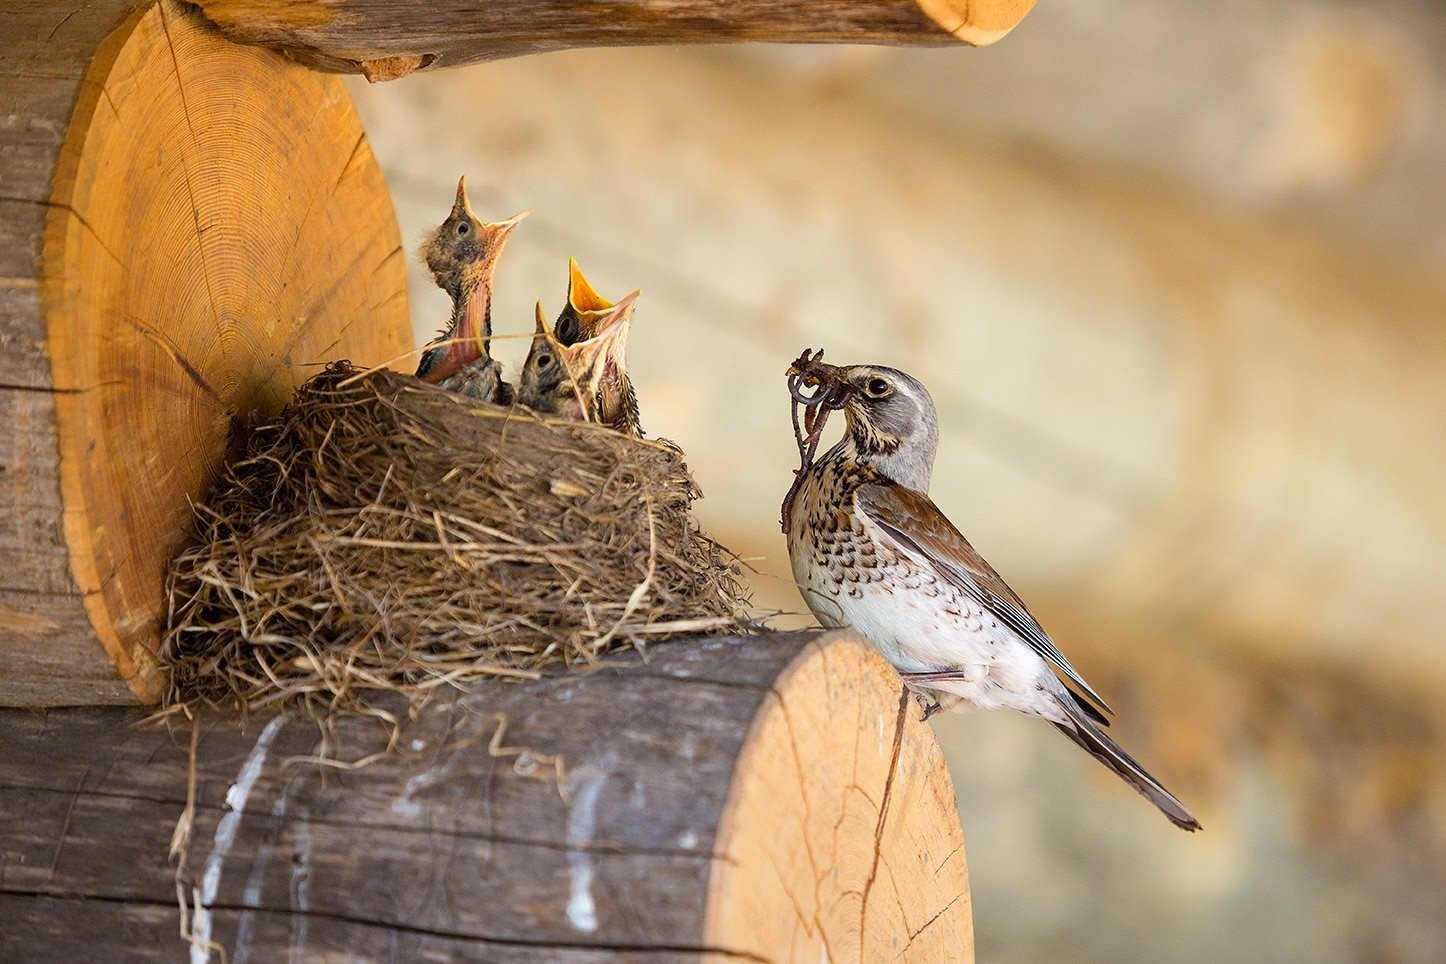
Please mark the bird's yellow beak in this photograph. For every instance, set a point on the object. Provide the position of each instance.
(580, 293)
(612, 336)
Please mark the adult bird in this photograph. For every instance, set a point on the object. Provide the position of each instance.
(563, 380)
(584, 316)
(871, 551)
(462, 254)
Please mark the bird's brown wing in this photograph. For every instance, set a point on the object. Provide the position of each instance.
(913, 520)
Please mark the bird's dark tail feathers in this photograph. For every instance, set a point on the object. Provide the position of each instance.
(1086, 734)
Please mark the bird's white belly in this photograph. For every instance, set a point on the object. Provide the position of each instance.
(920, 624)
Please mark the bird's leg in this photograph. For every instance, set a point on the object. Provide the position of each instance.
(920, 683)
(928, 703)
(937, 676)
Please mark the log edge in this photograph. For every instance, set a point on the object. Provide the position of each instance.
(923, 816)
(60, 220)
(961, 18)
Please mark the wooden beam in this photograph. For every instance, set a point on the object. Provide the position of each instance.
(176, 249)
(388, 38)
(756, 799)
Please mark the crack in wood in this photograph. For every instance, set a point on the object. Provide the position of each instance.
(947, 857)
(602, 946)
(51, 203)
(60, 23)
(65, 826)
(809, 924)
(173, 351)
(41, 389)
(818, 875)
(186, 168)
(963, 895)
(899, 723)
(898, 894)
(32, 591)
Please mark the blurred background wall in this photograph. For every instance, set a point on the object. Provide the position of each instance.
(1174, 274)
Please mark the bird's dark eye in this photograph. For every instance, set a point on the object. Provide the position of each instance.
(567, 330)
(544, 362)
(878, 387)
(462, 228)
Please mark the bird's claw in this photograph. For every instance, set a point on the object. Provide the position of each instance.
(928, 703)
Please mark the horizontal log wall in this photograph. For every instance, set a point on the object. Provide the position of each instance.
(681, 803)
(388, 38)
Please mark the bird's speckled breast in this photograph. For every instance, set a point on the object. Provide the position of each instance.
(850, 576)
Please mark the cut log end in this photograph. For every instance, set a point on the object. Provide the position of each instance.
(770, 798)
(215, 223)
(977, 24)
(839, 836)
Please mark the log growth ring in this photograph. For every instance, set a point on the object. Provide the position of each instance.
(217, 226)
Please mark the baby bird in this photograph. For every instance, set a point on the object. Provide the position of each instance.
(871, 551)
(480, 379)
(563, 380)
(584, 316)
(462, 254)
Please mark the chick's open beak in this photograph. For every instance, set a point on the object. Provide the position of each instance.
(461, 205)
(580, 293)
(614, 325)
(611, 340)
(494, 233)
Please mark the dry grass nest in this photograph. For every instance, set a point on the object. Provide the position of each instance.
(382, 534)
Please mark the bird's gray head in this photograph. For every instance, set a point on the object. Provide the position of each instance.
(892, 424)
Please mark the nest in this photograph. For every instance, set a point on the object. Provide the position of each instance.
(382, 534)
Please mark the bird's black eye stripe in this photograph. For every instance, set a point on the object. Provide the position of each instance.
(877, 387)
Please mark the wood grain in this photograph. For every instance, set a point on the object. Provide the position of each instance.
(843, 822)
(659, 841)
(188, 225)
(48, 48)
(387, 38)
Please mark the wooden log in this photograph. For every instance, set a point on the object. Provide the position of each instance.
(388, 38)
(756, 799)
(187, 226)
